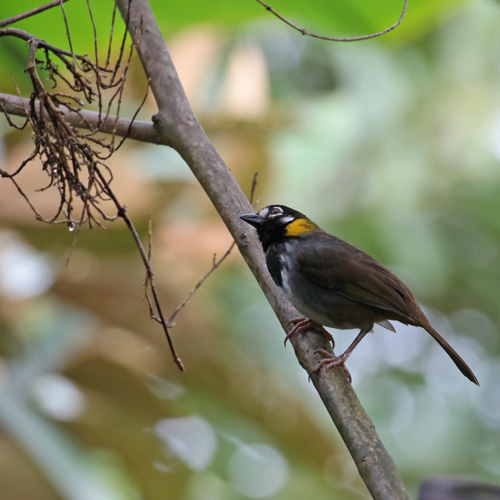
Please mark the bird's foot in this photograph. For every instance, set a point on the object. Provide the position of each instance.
(331, 360)
(302, 324)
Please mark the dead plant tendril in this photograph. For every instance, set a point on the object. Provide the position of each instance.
(74, 160)
(305, 32)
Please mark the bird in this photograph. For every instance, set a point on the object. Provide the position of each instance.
(334, 284)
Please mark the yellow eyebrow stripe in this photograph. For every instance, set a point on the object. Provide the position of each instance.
(299, 227)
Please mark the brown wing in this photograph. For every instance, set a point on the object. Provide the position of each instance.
(334, 264)
(337, 265)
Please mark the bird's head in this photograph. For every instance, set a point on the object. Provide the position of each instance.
(276, 222)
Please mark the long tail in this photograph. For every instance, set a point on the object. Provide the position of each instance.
(461, 364)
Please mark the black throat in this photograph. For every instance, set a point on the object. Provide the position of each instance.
(274, 263)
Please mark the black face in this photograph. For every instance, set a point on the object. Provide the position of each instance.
(271, 222)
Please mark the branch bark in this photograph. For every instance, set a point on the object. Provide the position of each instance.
(176, 126)
(90, 120)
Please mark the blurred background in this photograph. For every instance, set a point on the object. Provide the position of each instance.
(392, 144)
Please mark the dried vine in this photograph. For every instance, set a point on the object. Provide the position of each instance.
(336, 39)
(75, 160)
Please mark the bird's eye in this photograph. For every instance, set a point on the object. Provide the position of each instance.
(276, 211)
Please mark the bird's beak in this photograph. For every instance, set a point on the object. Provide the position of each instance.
(254, 220)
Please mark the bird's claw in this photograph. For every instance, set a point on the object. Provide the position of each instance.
(328, 361)
(302, 324)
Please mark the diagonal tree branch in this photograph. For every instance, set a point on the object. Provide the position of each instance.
(179, 128)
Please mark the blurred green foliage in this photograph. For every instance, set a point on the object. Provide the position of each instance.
(392, 144)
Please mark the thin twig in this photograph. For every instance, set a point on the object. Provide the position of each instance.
(61, 53)
(122, 212)
(68, 34)
(334, 39)
(132, 121)
(215, 264)
(29, 13)
(111, 33)
(22, 193)
(253, 188)
(94, 29)
(147, 279)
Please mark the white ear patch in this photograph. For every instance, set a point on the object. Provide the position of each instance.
(287, 219)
